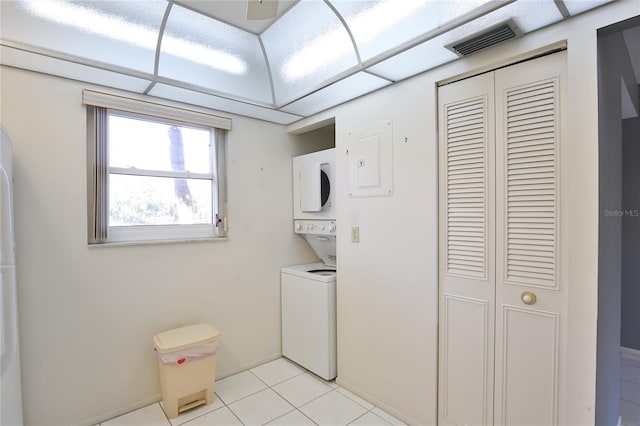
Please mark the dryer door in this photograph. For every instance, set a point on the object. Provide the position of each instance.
(313, 175)
(311, 187)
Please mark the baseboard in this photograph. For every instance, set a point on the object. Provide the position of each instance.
(629, 353)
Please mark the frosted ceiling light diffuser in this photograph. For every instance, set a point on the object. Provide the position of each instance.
(87, 17)
(92, 20)
(380, 25)
(578, 6)
(323, 49)
(198, 38)
(121, 34)
(306, 47)
(213, 55)
(371, 20)
(320, 46)
(204, 55)
(380, 16)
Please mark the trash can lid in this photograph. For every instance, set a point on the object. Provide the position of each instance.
(185, 337)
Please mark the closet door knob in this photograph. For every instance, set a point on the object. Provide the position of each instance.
(528, 298)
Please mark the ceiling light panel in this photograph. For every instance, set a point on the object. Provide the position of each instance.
(381, 25)
(214, 55)
(306, 47)
(346, 89)
(578, 6)
(125, 31)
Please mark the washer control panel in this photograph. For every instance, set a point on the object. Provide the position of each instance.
(318, 227)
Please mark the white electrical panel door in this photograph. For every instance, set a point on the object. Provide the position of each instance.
(370, 161)
(503, 304)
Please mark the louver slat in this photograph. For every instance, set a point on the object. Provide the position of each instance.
(465, 132)
(531, 186)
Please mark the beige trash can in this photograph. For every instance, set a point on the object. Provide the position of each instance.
(187, 365)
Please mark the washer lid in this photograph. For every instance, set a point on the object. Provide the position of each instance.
(324, 246)
(324, 273)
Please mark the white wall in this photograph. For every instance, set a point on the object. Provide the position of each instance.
(387, 284)
(87, 315)
(387, 320)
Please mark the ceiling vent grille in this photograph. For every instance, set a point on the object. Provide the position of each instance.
(493, 36)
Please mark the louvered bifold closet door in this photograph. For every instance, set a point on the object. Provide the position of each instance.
(467, 284)
(529, 335)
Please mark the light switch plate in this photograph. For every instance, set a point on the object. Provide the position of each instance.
(355, 234)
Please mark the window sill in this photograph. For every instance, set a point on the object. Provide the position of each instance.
(158, 242)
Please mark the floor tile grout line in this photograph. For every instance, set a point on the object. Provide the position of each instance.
(235, 415)
(257, 377)
(369, 411)
(261, 390)
(351, 399)
(275, 384)
(246, 396)
(330, 384)
(281, 415)
(310, 419)
(318, 397)
(311, 400)
(331, 389)
(289, 412)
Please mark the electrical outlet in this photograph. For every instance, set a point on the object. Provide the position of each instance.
(355, 234)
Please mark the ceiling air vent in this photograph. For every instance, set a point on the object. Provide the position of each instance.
(493, 36)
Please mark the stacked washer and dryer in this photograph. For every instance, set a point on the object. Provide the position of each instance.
(309, 291)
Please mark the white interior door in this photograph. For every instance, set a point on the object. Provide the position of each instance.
(502, 305)
(531, 299)
(467, 283)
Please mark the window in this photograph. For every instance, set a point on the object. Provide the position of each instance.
(153, 177)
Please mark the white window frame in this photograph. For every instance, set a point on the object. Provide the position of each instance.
(99, 105)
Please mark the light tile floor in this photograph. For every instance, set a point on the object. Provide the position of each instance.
(278, 393)
(630, 392)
